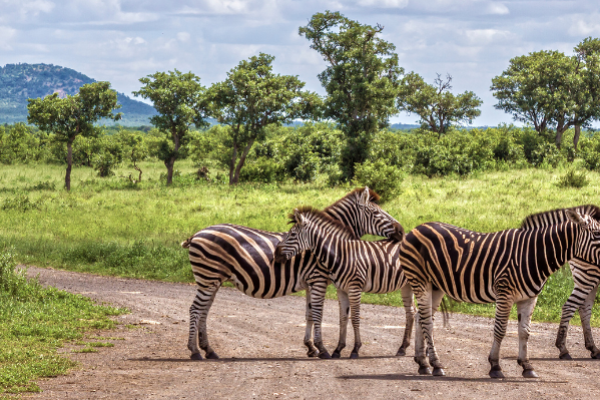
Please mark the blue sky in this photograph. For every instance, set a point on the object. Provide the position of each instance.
(121, 41)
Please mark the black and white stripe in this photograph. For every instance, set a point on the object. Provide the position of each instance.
(505, 267)
(586, 278)
(354, 266)
(245, 256)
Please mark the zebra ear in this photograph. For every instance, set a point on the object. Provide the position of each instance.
(365, 196)
(298, 217)
(575, 217)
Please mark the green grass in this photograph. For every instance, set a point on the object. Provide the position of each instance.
(34, 323)
(109, 226)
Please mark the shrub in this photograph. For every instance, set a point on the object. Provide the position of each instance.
(385, 179)
(20, 202)
(572, 179)
(263, 170)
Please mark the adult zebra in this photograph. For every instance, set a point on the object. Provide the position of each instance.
(245, 256)
(586, 278)
(504, 267)
(354, 266)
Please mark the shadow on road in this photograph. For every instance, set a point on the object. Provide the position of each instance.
(272, 359)
(410, 377)
(554, 359)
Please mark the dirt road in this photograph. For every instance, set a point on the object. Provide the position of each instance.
(260, 342)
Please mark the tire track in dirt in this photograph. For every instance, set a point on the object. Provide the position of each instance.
(262, 355)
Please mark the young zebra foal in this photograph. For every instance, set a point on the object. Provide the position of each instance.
(354, 266)
(245, 256)
(503, 267)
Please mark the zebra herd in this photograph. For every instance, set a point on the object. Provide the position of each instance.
(322, 247)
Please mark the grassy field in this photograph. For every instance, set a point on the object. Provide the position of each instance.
(110, 226)
(34, 323)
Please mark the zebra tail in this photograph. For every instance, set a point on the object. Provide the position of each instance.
(445, 308)
(187, 242)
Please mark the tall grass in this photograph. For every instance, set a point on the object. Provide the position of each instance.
(35, 322)
(110, 226)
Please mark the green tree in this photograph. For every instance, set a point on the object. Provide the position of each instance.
(437, 107)
(253, 97)
(361, 80)
(549, 89)
(179, 100)
(74, 115)
(135, 150)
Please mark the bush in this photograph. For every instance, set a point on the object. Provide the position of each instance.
(264, 170)
(385, 179)
(572, 179)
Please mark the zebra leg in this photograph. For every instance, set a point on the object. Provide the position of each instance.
(202, 331)
(318, 290)
(312, 350)
(198, 313)
(580, 295)
(524, 312)
(420, 356)
(585, 312)
(503, 306)
(354, 297)
(438, 369)
(426, 300)
(344, 311)
(409, 308)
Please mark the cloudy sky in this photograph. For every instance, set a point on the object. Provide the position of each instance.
(121, 40)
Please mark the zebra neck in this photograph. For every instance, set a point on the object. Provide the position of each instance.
(346, 212)
(326, 239)
(558, 244)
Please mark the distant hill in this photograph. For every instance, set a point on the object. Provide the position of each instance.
(18, 82)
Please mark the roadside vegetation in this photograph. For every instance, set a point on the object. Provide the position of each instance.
(35, 322)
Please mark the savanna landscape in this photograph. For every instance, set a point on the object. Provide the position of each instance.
(95, 285)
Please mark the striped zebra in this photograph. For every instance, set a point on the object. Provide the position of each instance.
(504, 267)
(245, 256)
(586, 277)
(354, 266)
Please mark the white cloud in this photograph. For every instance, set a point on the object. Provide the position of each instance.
(497, 9)
(183, 36)
(6, 34)
(581, 26)
(486, 36)
(383, 3)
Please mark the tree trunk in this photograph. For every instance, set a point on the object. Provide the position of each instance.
(170, 163)
(238, 168)
(559, 133)
(140, 171)
(69, 165)
(576, 136)
(232, 164)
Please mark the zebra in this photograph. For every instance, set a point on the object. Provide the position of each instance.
(586, 277)
(504, 267)
(245, 256)
(354, 266)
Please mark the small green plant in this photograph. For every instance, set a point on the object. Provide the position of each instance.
(385, 179)
(85, 350)
(20, 202)
(45, 185)
(572, 179)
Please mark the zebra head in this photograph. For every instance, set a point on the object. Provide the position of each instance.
(587, 244)
(360, 212)
(296, 241)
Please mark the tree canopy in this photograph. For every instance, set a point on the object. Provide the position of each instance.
(253, 97)
(549, 89)
(74, 115)
(179, 100)
(435, 104)
(361, 79)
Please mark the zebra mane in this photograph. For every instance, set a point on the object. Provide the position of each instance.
(373, 197)
(319, 214)
(551, 217)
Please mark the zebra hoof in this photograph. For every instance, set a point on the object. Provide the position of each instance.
(596, 356)
(424, 371)
(401, 352)
(196, 356)
(324, 355)
(438, 372)
(353, 356)
(212, 356)
(565, 356)
(312, 353)
(529, 373)
(336, 354)
(496, 374)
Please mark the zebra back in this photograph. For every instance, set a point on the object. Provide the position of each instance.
(553, 217)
